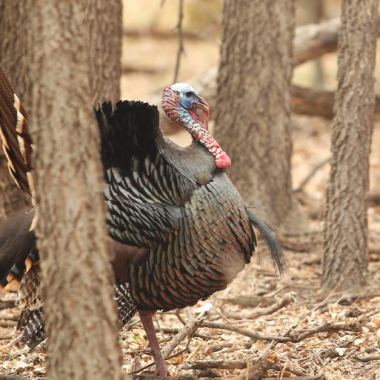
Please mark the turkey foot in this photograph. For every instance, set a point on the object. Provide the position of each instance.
(147, 321)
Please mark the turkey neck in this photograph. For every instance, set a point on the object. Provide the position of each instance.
(190, 120)
(193, 161)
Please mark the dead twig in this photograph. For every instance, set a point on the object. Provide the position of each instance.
(167, 358)
(178, 315)
(180, 41)
(188, 329)
(311, 174)
(367, 358)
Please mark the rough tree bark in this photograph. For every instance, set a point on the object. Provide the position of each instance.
(254, 103)
(11, 57)
(106, 30)
(79, 309)
(345, 236)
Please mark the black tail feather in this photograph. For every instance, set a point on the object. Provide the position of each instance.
(270, 240)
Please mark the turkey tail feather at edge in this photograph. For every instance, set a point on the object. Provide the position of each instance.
(16, 141)
(270, 240)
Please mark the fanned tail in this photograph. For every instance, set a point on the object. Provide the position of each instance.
(17, 144)
(270, 240)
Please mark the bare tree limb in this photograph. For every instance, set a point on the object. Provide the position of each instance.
(311, 174)
(180, 41)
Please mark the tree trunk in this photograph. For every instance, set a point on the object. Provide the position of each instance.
(345, 237)
(254, 103)
(11, 57)
(79, 309)
(106, 30)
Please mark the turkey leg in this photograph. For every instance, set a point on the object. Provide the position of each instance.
(147, 321)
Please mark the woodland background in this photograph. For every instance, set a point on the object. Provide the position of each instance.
(284, 327)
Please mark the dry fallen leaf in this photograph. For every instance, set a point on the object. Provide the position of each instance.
(340, 351)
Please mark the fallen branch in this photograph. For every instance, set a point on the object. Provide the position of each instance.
(150, 377)
(7, 304)
(295, 246)
(367, 358)
(153, 363)
(262, 311)
(249, 301)
(188, 329)
(176, 330)
(292, 336)
(7, 323)
(6, 337)
(257, 370)
(217, 364)
(312, 102)
(10, 316)
(314, 40)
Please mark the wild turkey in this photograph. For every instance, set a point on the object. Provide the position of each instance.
(179, 227)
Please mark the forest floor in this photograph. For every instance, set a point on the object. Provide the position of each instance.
(305, 333)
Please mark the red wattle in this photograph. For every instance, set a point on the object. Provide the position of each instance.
(223, 161)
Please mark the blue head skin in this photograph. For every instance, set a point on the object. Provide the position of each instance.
(190, 101)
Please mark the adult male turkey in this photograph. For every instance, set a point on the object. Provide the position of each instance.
(179, 228)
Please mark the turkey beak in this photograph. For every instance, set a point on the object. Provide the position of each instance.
(202, 104)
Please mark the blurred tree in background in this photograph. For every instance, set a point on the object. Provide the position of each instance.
(254, 103)
(345, 263)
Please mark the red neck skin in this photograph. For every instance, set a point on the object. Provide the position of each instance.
(190, 120)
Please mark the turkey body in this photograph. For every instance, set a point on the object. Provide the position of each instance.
(187, 215)
(207, 243)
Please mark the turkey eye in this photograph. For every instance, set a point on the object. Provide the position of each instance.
(189, 94)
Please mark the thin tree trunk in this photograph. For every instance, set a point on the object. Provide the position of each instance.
(313, 11)
(254, 103)
(11, 57)
(79, 309)
(345, 238)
